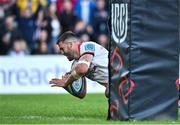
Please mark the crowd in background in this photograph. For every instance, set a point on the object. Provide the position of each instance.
(31, 27)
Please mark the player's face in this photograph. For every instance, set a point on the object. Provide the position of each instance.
(66, 49)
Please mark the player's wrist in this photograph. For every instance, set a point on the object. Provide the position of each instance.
(75, 75)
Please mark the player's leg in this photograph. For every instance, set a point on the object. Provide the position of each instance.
(106, 85)
(107, 91)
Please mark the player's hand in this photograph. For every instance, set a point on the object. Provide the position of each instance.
(58, 82)
(65, 76)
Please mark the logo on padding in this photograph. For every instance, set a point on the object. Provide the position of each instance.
(119, 22)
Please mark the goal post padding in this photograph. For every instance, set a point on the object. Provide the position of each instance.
(144, 54)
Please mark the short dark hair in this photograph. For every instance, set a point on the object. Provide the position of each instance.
(65, 35)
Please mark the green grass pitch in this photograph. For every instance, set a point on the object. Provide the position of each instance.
(59, 108)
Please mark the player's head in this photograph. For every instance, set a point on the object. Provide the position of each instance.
(66, 43)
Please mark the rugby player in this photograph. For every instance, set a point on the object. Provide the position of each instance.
(91, 61)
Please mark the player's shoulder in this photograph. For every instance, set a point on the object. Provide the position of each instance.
(89, 43)
(90, 46)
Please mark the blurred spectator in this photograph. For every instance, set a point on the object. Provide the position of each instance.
(39, 23)
(68, 18)
(85, 9)
(83, 31)
(28, 8)
(60, 6)
(43, 3)
(84, 37)
(8, 34)
(43, 37)
(100, 19)
(27, 11)
(42, 49)
(80, 27)
(2, 16)
(42, 43)
(19, 48)
(53, 26)
(103, 40)
(55, 49)
(7, 6)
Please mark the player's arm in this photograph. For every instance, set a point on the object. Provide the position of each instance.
(82, 66)
(79, 70)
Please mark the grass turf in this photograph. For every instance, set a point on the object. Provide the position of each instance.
(59, 108)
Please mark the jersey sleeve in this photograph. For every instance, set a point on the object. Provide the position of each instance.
(87, 48)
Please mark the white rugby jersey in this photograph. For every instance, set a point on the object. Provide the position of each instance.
(98, 70)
